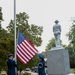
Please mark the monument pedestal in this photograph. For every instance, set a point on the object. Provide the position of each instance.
(58, 61)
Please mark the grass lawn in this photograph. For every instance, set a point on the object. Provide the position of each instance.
(71, 70)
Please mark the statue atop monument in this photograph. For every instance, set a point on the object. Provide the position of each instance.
(57, 33)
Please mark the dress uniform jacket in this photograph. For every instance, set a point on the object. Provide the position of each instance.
(41, 67)
(11, 67)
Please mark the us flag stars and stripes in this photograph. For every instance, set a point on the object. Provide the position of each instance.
(25, 50)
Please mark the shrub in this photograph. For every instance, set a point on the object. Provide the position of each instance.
(27, 73)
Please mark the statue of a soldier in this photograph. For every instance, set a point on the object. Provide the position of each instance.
(57, 33)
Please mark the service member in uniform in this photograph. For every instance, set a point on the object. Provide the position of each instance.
(41, 65)
(11, 65)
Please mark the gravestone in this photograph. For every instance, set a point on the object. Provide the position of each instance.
(58, 57)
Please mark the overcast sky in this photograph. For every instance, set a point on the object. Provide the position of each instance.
(42, 13)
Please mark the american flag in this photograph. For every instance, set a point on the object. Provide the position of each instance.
(25, 50)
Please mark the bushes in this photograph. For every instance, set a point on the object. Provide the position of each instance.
(27, 73)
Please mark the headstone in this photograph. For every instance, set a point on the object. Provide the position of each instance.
(58, 57)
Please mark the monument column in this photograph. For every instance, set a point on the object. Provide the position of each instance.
(58, 57)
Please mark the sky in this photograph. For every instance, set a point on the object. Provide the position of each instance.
(42, 13)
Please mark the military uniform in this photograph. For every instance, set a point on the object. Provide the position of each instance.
(11, 67)
(41, 66)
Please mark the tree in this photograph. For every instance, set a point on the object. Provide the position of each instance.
(3, 33)
(49, 46)
(71, 37)
(6, 47)
(31, 32)
(1, 17)
(71, 55)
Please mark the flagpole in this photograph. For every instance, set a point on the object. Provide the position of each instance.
(15, 28)
(15, 33)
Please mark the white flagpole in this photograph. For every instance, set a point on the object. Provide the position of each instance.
(15, 33)
(15, 28)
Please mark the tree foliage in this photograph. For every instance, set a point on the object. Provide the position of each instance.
(71, 37)
(31, 32)
(49, 46)
(71, 56)
(6, 47)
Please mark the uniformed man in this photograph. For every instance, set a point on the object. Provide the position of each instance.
(41, 65)
(11, 65)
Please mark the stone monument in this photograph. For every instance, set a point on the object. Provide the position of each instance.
(58, 57)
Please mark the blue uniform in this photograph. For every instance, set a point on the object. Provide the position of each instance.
(41, 68)
(11, 67)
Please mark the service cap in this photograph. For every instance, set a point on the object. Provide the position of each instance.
(41, 56)
(10, 55)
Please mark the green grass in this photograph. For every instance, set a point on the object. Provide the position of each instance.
(71, 70)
